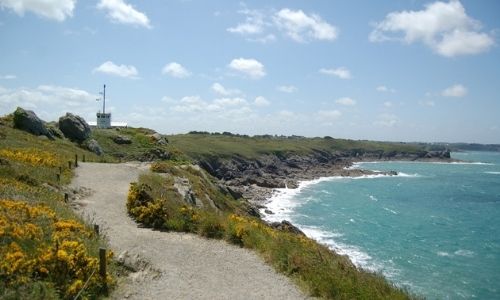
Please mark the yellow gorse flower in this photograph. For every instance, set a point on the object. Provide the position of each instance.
(31, 156)
(60, 252)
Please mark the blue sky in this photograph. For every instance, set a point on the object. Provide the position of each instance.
(402, 70)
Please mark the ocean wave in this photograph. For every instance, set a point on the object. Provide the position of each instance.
(494, 173)
(460, 252)
(356, 255)
(391, 211)
(443, 253)
(479, 163)
(465, 253)
(373, 198)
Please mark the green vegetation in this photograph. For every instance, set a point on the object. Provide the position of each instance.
(143, 145)
(155, 202)
(46, 250)
(203, 145)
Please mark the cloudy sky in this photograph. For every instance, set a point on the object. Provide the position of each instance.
(399, 70)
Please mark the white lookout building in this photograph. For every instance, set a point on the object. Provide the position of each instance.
(103, 118)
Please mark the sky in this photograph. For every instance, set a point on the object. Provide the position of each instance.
(399, 70)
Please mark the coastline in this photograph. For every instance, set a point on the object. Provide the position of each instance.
(259, 195)
(273, 203)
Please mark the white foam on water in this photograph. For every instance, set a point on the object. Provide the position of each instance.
(443, 253)
(390, 210)
(465, 253)
(283, 203)
(494, 173)
(373, 198)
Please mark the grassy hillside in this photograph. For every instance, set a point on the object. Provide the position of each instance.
(201, 145)
(46, 250)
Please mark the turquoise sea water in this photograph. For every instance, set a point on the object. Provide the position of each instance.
(434, 229)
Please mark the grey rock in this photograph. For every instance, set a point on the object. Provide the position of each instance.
(93, 146)
(74, 127)
(286, 226)
(158, 138)
(54, 131)
(28, 121)
(122, 140)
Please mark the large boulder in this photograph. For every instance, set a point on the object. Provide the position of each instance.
(28, 121)
(74, 127)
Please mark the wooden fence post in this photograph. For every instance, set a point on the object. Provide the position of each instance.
(66, 197)
(76, 160)
(58, 177)
(69, 164)
(102, 262)
(102, 268)
(83, 158)
(96, 229)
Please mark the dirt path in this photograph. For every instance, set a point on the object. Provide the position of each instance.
(171, 265)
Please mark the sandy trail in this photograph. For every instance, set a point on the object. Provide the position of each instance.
(172, 265)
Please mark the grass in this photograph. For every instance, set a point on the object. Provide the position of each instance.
(155, 202)
(141, 144)
(46, 250)
(204, 145)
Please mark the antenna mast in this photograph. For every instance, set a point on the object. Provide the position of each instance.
(104, 100)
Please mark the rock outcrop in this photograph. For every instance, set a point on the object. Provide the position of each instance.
(93, 146)
(158, 138)
(28, 121)
(122, 140)
(286, 226)
(74, 127)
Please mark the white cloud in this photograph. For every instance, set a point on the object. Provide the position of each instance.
(346, 101)
(225, 102)
(388, 104)
(121, 12)
(57, 10)
(175, 70)
(221, 90)
(444, 27)
(254, 23)
(110, 68)
(386, 120)
(384, 89)
(456, 90)
(195, 104)
(261, 101)
(250, 67)
(302, 27)
(8, 77)
(287, 88)
(342, 72)
(48, 101)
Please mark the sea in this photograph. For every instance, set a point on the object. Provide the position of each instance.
(433, 229)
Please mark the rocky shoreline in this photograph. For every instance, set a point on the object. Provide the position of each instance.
(256, 179)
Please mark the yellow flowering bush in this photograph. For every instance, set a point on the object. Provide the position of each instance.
(37, 245)
(31, 156)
